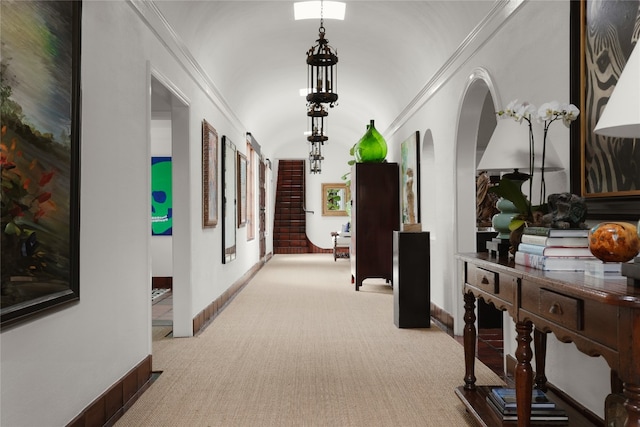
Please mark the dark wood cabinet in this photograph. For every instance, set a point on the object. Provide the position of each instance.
(375, 215)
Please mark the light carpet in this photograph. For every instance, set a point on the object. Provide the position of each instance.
(300, 347)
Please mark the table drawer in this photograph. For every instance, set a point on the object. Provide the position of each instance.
(501, 285)
(561, 309)
(483, 279)
(589, 318)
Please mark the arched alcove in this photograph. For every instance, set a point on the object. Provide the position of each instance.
(476, 121)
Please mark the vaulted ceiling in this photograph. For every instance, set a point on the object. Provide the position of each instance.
(255, 54)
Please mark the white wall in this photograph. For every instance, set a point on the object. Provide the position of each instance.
(80, 351)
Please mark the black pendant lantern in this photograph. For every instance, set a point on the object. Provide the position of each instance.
(322, 71)
(317, 113)
(315, 157)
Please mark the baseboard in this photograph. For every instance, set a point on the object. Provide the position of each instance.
(109, 407)
(204, 317)
(444, 319)
(162, 282)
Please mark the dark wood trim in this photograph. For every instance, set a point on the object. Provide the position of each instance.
(444, 319)
(162, 282)
(206, 315)
(109, 407)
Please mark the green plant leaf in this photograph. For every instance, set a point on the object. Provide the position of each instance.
(509, 190)
(516, 223)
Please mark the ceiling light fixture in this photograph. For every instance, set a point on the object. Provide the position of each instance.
(322, 78)
(322, 70)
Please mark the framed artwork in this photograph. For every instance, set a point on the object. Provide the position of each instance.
(604, 170)
(335, 199)
(209, 175)
(242, 190)
(161, 197)
(410, 179)
(40, 157)
(229, 193)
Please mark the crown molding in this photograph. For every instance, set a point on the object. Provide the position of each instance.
(478, 37)
(160, 27)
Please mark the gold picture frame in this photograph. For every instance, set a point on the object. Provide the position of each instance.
(335, 197)
(209, 175)
(602, 168)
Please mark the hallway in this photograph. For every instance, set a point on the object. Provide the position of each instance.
(490, 343)
(287, 351)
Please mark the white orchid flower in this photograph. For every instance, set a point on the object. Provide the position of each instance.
(511, 107)
(521, 111)
(549, 111)
(529, 110)
(570, 113)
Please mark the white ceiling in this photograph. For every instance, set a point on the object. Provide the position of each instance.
(255, 53)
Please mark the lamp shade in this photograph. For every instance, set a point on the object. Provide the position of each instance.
(508, 149)
(621, 115)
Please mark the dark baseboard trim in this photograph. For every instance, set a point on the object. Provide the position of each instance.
(442, 318)
(162, 282)
(109, 407)
(202, 319)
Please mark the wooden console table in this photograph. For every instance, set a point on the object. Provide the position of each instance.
(602, 318)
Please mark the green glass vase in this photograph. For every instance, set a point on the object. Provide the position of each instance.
(372, 148)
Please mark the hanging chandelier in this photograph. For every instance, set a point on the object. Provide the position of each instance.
(322, 70)
(322, 78)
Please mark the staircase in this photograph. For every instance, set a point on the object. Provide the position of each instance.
(289, 236)
(290, 222)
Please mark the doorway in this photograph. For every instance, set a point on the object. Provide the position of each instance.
(170, 264)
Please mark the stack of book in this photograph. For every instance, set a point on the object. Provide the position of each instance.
(554, 249)
(503, 401)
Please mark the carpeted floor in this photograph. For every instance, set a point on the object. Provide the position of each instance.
(300, 347)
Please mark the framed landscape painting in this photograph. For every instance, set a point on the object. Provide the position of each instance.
(209, 175)
(410, 179)
(40, 157)
(604, 170)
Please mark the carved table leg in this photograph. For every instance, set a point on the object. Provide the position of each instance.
(524, 374)
(540, 345)
(632, 404)
(614, 411)
(469, 334)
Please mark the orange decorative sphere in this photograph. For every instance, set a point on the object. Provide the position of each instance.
(614, 241)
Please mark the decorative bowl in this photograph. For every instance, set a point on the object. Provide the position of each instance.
(614, 241)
